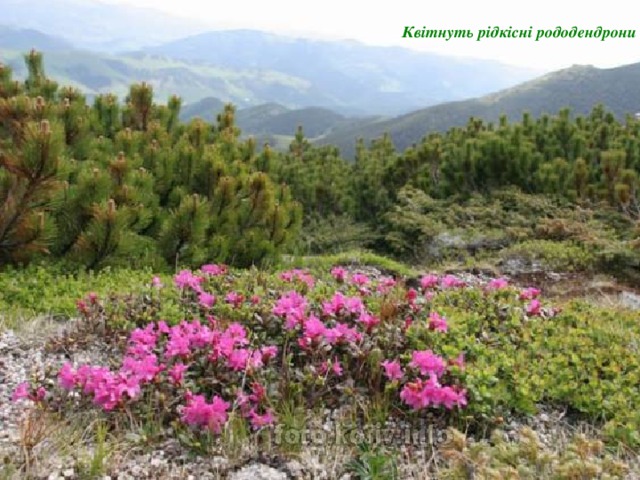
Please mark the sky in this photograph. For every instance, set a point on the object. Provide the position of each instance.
(383, 23)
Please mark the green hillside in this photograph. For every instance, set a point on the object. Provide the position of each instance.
(578, 87)
(96, 73)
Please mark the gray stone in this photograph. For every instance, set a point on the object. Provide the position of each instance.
(630, 300)
(258, 471)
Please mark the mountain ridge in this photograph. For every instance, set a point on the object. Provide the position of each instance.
(578, 87)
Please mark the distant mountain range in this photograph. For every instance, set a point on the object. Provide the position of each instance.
(101, 47)
(346, 75)
(275, 119)
(577, 87)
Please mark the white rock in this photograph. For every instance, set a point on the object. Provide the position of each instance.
(630, 300)
(258, 471)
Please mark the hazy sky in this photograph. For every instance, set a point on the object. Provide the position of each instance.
(382, 23)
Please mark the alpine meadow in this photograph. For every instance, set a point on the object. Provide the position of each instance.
(239, 255)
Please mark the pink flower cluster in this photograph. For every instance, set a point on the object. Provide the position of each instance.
(497, 284)
(179, 347)
(432, 281)
(429, 393)
(359, 280)
(253, 406)
(24, 392)
(437, 322)
(339, 273)
(292, 306)
(385, 285)
(300, 275)
(214, 270)
(340, 310)
(328, 336)
(339, 304)
(207, 415)
(534, 307)
(234, 298)
(422, 393)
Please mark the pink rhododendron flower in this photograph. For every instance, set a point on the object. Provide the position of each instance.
(385, 285)
(142, 341)
(497, 284)
(335, 305)
(268, 352)
(258, 421)
(336, 368)
(422, 394)
(529, 293)
(255, 360)
(127, 385)
(222, 346)
(242, 400)
(287, 276)
(41, 392)
(156, 282)
(411, 394)
(314, 328)
(67, 377)
(238, 333)
(163, 327)
(451, 281)
(429, 281)
(292, 307)
(176, 373)
(342, 333)
(360, 279)
(201, 336)
(354, 305)
(297, 274)
(214, 270)
(178, 344)
(206, 300)
(339, 273)
(234, 298)
(534, 307)
(93, 298)
(144, 369)
(448, 397)
(255, 299)
(368, 320)
(82, 307)
(198, 412)
(392, 369)
(419, 394)
(186, 278)
(258, 392)
(437, 323)
(427, 362)
(21, 392)
(237, 360)
(411, 295)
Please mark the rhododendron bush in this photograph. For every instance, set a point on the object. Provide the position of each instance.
(246, 343)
